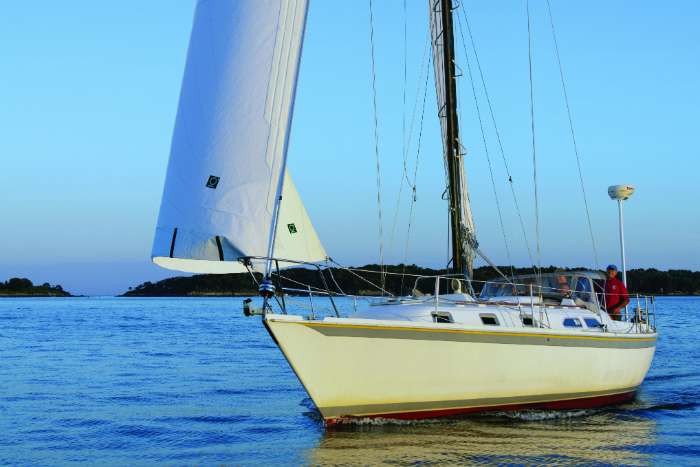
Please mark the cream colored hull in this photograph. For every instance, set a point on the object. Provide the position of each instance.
(358, 368)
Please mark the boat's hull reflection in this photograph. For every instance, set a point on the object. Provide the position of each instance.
(529, 437)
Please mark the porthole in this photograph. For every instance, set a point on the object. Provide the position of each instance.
(442, 318)
(592, 323)
(489, 320)
(572, 323)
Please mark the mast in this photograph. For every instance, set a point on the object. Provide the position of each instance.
(462, 239)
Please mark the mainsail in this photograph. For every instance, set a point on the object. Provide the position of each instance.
(462, 225)
(230, 141)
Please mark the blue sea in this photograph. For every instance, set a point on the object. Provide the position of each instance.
(186, 381)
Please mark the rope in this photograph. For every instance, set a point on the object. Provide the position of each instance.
(389, 273)
(534, 146)
(376, 142)
(541, 287)
(351, 271)
(498, 137)
(330, 272)
(456, 275)
(490, 263)
(317, 289)
(486, 148)
(573, 135)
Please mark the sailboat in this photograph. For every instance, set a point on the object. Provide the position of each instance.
(229, 205)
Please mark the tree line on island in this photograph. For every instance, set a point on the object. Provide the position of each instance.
(401, 280)
(22, 287)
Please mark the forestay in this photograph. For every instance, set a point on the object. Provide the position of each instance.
(230, 141)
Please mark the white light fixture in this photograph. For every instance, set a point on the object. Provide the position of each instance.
(621, 193)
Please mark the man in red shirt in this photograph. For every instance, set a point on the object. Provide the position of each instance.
(616, 297)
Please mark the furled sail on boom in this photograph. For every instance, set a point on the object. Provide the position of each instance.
(230, 142)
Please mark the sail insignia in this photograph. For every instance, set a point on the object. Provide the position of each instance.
(212, 182)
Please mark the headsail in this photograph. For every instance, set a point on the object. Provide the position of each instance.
(230, 141)
(462, 225)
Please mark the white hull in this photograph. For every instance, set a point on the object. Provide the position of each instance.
(401, 369)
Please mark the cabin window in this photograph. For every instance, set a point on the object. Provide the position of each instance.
(592, 323)
(442, 318)
(583, 289)
(527, 321)
(572, 323)
(489, 320)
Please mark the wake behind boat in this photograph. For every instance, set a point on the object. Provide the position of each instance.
(229, 205)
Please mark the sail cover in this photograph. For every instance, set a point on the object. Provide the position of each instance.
(230, 141)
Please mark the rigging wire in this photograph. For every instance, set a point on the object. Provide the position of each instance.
(415, 173)
(498, 136)
(534, 146)
(573, 135)
(308, 286)
(486, 148)
(424, 68)
(376, 143)
(352, 271)
(405, 84)
(448, 256)
(330, 272)
(404, 176)
(407, 137)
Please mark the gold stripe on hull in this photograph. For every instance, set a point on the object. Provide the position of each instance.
(463, 335)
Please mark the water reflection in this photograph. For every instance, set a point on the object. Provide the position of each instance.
(609, 437)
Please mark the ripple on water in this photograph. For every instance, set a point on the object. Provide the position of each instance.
(664, 377)
(211, 419)
(82, 422)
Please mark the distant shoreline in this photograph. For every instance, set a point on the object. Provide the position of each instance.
(640, 281)
(35, 295)
(17, 287)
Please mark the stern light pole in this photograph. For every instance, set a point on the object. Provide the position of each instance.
(621, 193)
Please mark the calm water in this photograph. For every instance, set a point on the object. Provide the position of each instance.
(191, 381)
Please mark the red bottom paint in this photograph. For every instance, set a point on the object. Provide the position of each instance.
(583, 403)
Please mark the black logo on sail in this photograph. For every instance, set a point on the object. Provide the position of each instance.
(213, 181)
(292, 228)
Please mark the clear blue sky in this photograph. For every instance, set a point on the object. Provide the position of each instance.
(88, 95)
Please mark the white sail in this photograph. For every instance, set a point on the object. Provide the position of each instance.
(230, 140)
(295, 239)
